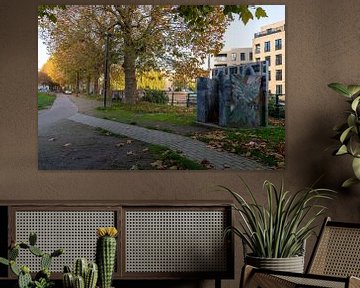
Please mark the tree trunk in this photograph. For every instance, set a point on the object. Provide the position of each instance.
(130, 75)
(96, 84)
(77, 83)
(88, 80)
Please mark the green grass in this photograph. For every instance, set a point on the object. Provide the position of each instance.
(174, 158)
(45, 100)
(273, 135)
(144, 113)
(266, 144)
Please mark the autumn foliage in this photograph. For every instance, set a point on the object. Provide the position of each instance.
(172, 41)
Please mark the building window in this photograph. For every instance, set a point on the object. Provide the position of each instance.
(257, 59)
(268, 60)
(250, 56)
(267, 46)
(279, 90)
(269, 75)
(233, 56)
(242, 56)
(278, 44)
(221, 57)
(257, 48)
(233, 70)
(278, 75)
(278, 59)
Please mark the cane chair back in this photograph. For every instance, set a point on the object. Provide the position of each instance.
(337, 252)
(335, 262)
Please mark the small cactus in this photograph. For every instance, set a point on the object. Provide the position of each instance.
(32, 239)
(57, 252)
(106, 254)
(13, 253)
(14, 268)
(36, 251)
(79, 282)
(88, 273)
(45, 261)
(91, 276)
(68, 280)
(67, 269)
(4, 261)
(24, 280)
(23, 273)
(80, 268)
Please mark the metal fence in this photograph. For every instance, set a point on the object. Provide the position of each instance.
(276, 105)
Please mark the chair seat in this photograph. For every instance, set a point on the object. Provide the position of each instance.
(255, 277)
(315, 282)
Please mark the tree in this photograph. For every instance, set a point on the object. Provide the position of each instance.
(77, 41)
(143, 37)
(52, 71)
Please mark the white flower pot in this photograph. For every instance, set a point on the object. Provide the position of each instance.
(291, 264)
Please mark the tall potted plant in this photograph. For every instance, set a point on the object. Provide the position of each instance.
(349, 132)
(276, 233)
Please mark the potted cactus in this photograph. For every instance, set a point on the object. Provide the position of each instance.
(42, 278)
(84, 275)
(106, 254)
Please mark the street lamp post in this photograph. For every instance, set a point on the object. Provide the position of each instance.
(106, 71)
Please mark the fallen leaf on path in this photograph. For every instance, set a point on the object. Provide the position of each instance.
(128, 141)
(51, 139)
(158, 164)
(130, 153)
(145, 150)
(67, 144)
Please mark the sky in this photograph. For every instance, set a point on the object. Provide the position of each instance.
(237, 34)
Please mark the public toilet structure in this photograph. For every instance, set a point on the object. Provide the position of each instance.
(235, 96)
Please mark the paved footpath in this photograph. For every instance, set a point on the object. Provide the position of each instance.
(193, 149)
(63, 108)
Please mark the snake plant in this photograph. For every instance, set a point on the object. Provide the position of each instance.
(279, 228)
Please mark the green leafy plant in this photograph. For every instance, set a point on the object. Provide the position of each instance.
(42, 278)
(155, 96)
(279, 229)
(349, 132)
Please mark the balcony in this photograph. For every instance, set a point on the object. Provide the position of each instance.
(269, 32)
(221, 58)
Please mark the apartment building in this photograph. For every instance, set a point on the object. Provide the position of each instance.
(269, 45)
(231, 57)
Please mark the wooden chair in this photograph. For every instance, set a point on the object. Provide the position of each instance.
(335, 262)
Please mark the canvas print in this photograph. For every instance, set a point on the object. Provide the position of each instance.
(161, 87)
